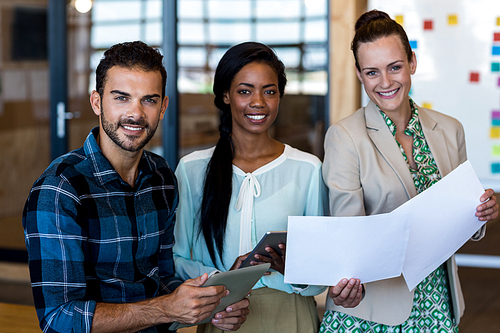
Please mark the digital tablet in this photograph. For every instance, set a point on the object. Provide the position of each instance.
(239, 282)
(271, 239)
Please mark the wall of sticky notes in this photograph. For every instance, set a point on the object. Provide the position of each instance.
(457, 44)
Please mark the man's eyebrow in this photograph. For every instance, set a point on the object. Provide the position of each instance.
(151, 96)
(118, 92)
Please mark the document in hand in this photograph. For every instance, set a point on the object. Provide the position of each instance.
(414, 239)
(323, 250)
(443, 220)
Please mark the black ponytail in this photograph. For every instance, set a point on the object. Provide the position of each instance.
(217, 190)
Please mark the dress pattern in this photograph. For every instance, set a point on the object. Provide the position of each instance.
(427, 173)
(431, 311)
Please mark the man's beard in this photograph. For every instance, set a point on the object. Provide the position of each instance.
(111, 131)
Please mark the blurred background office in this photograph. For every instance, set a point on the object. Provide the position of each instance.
(49, 50)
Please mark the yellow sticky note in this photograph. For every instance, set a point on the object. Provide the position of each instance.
(453, 19)
(495, 132)
(400, 19)
(496, 150)
(427, 105)
(498, 20)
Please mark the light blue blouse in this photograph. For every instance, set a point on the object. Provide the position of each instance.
(291, 185)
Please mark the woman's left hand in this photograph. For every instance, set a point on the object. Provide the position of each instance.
(277, 262)
(488, 210)
(346, 293)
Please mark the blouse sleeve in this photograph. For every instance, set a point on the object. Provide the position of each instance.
(185, 231)
(317, 197)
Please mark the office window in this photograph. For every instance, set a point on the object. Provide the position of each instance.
(296, 29)
(115, 21)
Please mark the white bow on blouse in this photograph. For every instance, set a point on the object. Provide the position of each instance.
(249, 189)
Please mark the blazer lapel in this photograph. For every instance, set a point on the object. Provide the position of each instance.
(436, 141)
(385, 143)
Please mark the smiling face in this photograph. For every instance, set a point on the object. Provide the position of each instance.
(129, 109)
(254, 98)
(386, 73)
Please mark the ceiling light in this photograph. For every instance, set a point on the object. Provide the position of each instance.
(83, 6)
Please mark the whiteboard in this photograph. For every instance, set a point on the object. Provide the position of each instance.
(457, 44)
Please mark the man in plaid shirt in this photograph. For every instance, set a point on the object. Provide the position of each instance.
(99, 221)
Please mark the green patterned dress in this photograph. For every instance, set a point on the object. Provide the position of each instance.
(431, 310)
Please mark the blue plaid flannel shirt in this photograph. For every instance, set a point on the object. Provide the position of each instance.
(91, 237)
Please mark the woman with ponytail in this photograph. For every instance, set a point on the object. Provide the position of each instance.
(377, 159)
(245, 186)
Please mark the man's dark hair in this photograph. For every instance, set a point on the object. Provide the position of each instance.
(130, 55)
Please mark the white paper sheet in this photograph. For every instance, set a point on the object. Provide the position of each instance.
(414, 239)
(323, 250)
(443, 220)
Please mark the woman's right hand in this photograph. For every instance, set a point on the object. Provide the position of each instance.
(239, 261)
(346, 293)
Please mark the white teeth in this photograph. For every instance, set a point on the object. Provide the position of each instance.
(256, 117)
(132, 128)
(390, 93)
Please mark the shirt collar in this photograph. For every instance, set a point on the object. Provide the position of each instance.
(102, 169)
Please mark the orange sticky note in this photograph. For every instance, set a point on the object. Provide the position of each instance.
(453, 19)
(400, 19)
(427, 105)
(495, 132)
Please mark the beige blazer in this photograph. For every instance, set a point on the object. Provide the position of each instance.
(367, 174)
